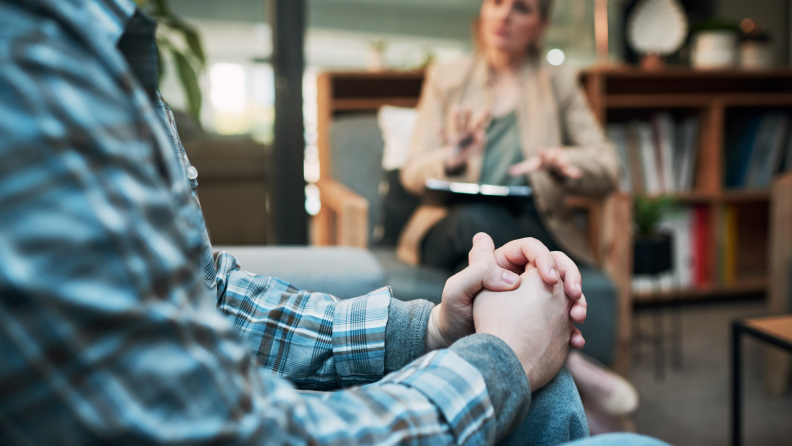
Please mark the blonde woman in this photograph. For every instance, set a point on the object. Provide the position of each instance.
(504, 116)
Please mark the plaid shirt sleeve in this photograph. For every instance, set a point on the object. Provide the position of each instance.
(108, 332)
(315, 340)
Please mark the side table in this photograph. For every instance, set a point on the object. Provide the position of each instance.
(776, 330)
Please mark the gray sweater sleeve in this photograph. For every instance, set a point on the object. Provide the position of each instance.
(504, 376)
(507, 385)
(405, 334)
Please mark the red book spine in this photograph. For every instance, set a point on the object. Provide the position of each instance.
(701, 223)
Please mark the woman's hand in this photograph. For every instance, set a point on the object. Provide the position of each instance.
(466, 138)
(555, 160)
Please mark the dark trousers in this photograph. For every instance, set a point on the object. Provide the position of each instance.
(448, 243)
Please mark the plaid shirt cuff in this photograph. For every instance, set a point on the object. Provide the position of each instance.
(359, 337)
(457, 389)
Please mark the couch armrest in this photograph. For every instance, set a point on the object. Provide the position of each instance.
(343, 218)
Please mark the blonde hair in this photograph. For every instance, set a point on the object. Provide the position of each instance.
(534, 48)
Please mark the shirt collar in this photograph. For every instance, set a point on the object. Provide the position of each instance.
(98, 20)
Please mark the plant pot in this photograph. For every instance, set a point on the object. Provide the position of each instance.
(653, 254)
(715, 50)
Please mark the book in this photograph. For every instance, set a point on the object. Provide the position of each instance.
(740, 145)
(700, 231)
(729, 245)
(677, 221)
(769, 160)
(663, 135)
(761, 149)
(687, 153)
(648, 158)
(634, 155)
(617, 134)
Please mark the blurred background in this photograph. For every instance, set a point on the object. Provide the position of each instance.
(280, 103)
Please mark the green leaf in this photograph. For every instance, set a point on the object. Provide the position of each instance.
(190, 36)
(194, 42)
(189, 81)
(648, 212)
(161, 8)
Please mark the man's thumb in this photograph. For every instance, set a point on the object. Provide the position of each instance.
(484, 269)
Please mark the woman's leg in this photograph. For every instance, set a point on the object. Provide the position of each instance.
(450, 240)
(556, 415)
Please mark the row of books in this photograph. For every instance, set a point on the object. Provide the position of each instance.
(657, 156)
(758, 147)
(689, 226)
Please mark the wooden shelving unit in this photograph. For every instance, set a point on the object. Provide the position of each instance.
(617, 94)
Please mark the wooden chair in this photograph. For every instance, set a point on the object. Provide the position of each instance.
(344, 216)
(778, 364)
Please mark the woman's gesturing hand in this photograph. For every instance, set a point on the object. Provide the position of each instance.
(466, 138)
(556, 160)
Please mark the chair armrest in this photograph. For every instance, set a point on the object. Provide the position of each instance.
(343, 218)
(780, 244)
(616, 255)
(778, 366)
(610, 236)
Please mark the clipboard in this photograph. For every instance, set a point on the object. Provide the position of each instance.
(451, 192)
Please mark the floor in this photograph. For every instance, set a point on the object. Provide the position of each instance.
(692, 406)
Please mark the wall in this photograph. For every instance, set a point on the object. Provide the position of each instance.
(772, 15)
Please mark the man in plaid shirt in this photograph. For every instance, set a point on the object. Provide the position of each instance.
(107, 284)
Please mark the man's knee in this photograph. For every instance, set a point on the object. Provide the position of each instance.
(621, 439)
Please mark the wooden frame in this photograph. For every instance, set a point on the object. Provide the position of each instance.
(778, 364)
(343, 219)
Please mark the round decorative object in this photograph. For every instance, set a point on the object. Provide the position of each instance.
(657, 27)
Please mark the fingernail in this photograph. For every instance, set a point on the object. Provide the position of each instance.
(553, 273)
(509, 277)
(579, 288)
(478, 237)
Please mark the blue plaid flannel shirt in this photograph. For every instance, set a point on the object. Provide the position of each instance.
(108, 326)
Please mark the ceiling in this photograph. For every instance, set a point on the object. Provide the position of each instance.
(446, 19)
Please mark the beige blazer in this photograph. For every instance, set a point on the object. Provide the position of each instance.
(552, 112)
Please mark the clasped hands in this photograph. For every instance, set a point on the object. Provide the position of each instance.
(521, 293)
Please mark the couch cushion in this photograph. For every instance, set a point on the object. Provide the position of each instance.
(410, 283)
(340, 271)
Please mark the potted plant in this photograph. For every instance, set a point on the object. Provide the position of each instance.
(652, 250)
(181, 41)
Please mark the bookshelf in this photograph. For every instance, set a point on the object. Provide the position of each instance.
(618, 94)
